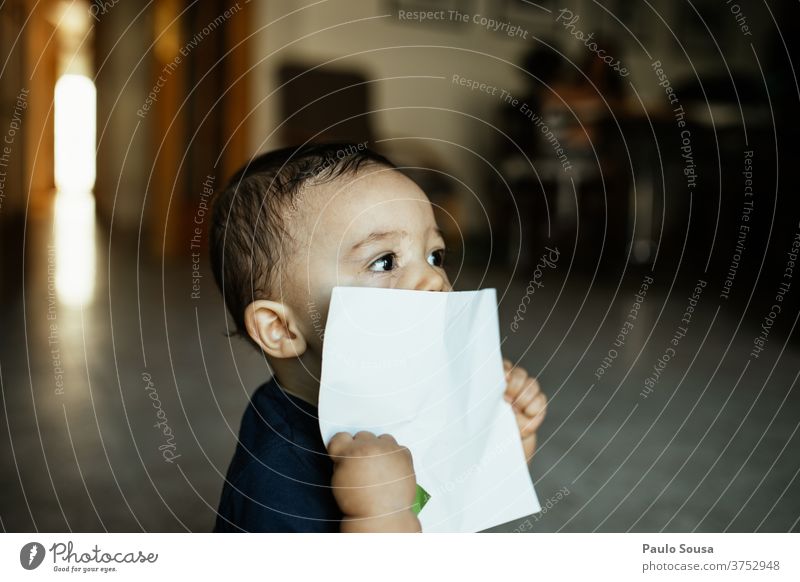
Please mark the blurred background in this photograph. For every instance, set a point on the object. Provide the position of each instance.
(647, 150)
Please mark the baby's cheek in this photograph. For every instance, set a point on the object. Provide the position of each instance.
(377, 281)
(448, 284)
(314, 331)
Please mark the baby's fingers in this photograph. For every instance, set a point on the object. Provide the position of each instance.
(526, 395)
(515, 382)
(538, 405)
(531, 419)
(339, 443)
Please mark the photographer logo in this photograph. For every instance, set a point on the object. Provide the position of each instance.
(31, 555)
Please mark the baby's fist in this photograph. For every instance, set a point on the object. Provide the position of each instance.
(528, 402)
(373, 482)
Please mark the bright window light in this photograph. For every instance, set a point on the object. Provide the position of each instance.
(75, 110)
(75, 247)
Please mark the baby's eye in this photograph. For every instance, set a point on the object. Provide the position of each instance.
(384, 263)
(436, 258)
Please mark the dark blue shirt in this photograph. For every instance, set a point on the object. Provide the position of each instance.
(280, 476)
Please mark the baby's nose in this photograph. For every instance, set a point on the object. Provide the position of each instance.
(431, 279)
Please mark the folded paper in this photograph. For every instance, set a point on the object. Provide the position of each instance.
(426, 368)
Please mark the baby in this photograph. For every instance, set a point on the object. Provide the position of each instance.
(289, 227)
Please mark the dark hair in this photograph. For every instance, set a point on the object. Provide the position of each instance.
(248, 234)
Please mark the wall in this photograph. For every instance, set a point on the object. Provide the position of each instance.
(368, 35)
(123, 78)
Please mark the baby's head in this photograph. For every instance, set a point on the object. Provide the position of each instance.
(296, 222)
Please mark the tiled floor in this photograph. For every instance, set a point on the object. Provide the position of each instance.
(712, 448)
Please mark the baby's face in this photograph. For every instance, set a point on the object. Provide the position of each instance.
(374, 229)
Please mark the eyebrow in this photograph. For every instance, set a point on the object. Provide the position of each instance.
(379, 236)
(374, 237)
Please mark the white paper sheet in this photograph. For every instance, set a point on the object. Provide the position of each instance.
(426, 368)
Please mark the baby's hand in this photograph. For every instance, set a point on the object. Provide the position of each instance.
(373, 483)
(528, 402)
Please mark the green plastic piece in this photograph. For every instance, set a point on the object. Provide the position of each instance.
(420, 499)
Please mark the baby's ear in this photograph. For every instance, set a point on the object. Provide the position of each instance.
(274, 328)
